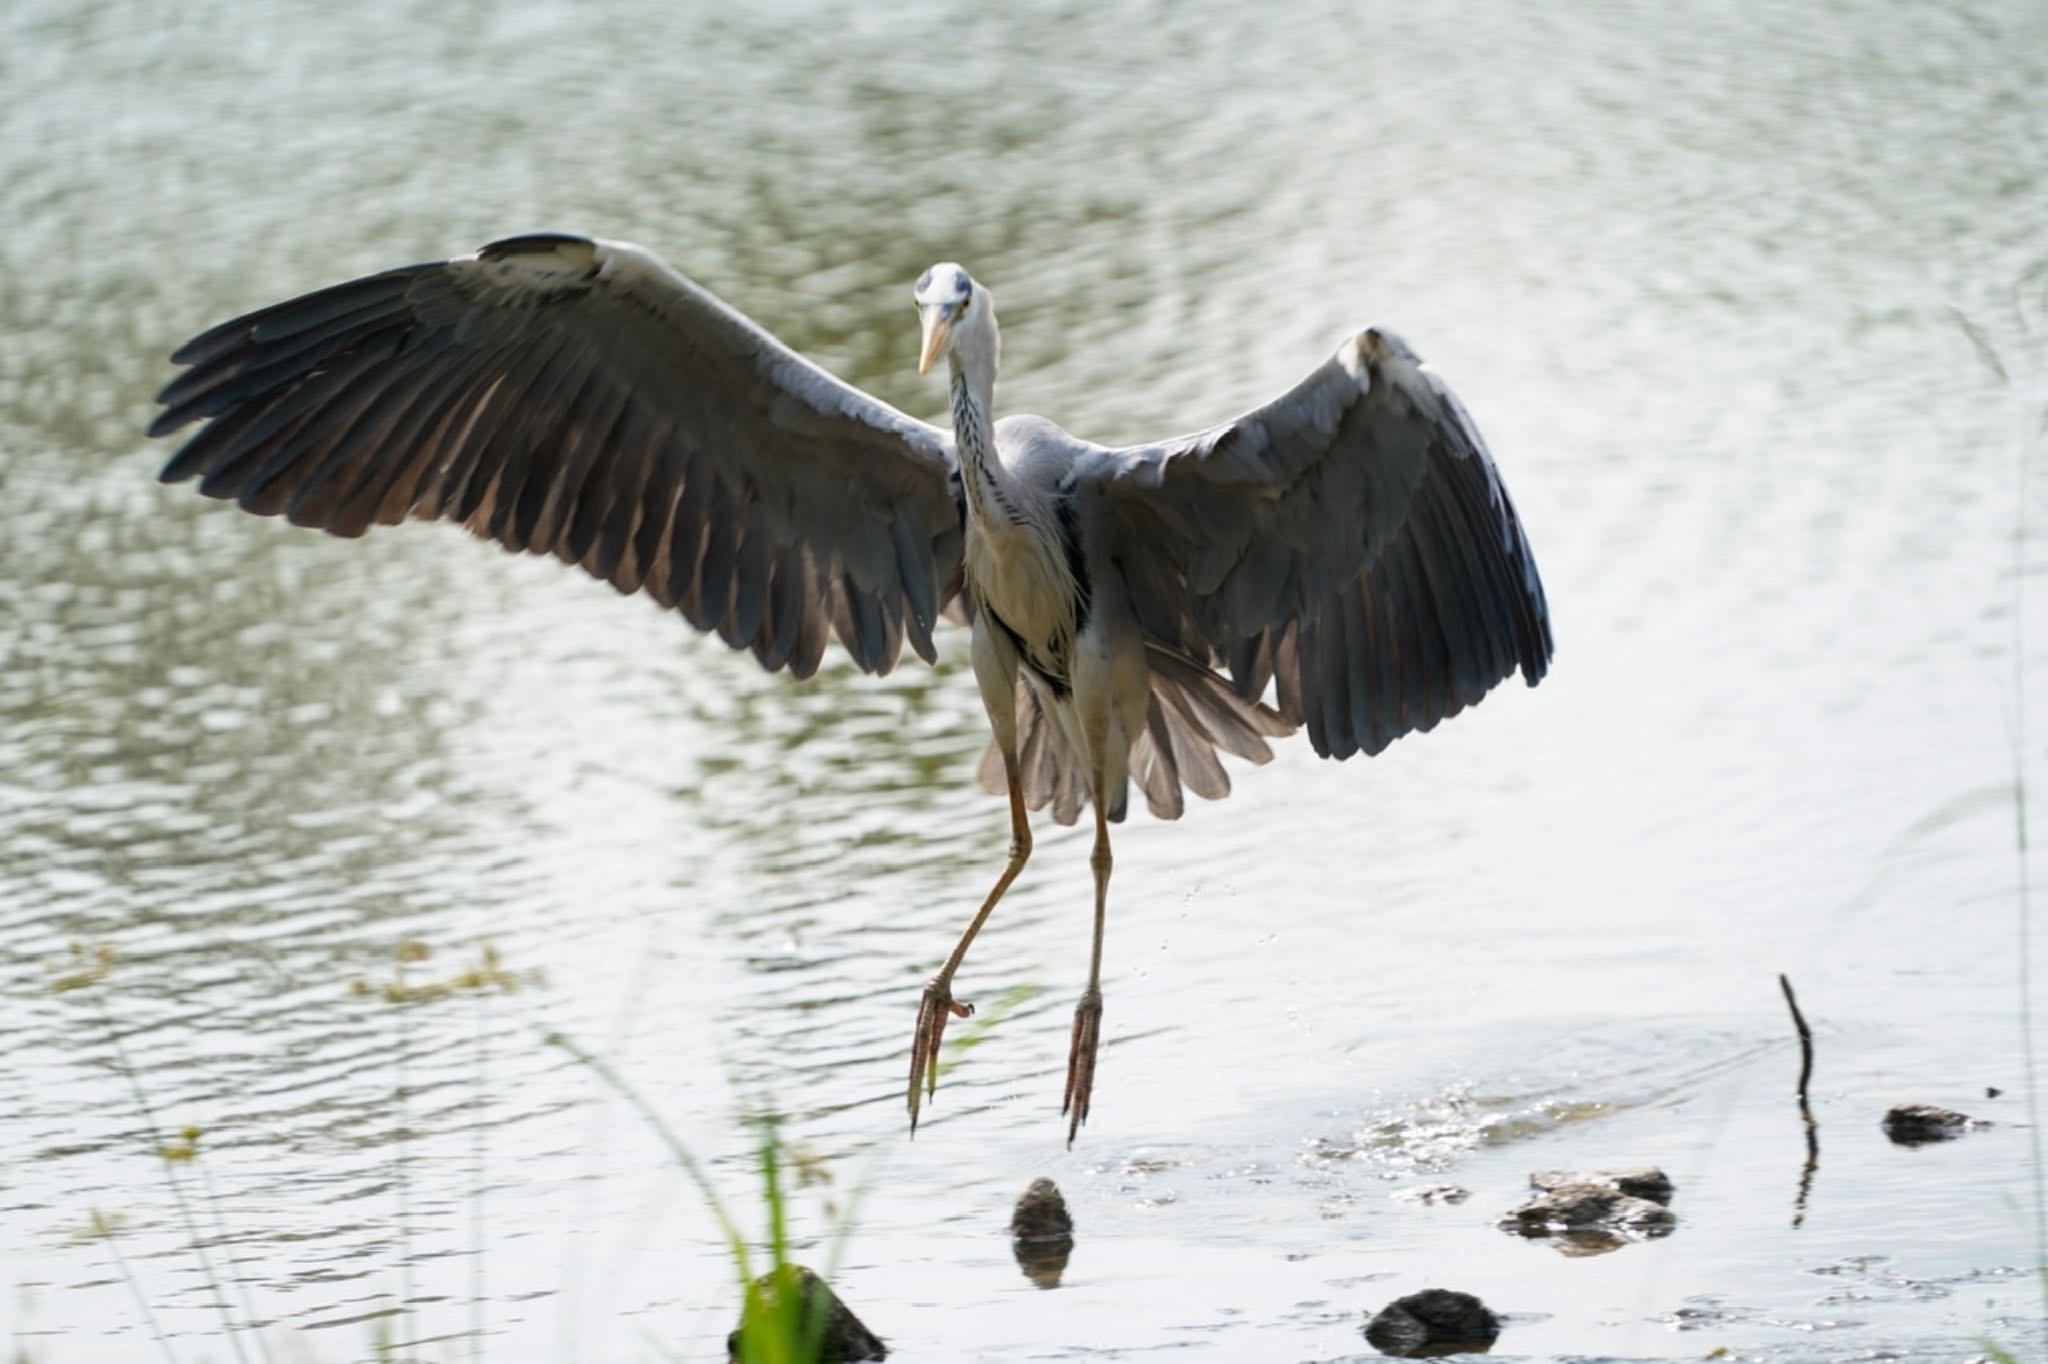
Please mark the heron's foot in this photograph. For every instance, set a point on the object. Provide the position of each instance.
(1081, 1061)
(936, 1006)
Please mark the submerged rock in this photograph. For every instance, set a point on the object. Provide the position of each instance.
(1435, 1321)
(1432, 1193)
(1042, 1233)
(844, 1339)
(1571, 1207)
(1918, 1124)
(1638, 1181)
(1585, 1217)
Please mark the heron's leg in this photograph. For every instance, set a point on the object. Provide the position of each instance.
(1088, 1014)
(938, 1004)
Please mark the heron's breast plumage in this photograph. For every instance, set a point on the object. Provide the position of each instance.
(1022, 554)
(1025, 580)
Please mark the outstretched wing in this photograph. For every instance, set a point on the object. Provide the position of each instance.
(579, 398)
(1350, 542)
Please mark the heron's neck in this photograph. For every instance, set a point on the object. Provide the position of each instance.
(992, 494)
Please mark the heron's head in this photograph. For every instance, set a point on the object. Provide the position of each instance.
(957, 314)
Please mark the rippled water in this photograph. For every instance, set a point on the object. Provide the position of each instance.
(1689, 265)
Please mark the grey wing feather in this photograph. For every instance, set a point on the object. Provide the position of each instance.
(1350, 544)
(577, 397)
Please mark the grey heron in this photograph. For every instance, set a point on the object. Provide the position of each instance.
(1347, 550)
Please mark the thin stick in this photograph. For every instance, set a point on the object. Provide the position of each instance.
(1812, 1165)
(1805, 1037)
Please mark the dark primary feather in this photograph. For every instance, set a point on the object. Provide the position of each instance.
(576, 397)
(1350, 544)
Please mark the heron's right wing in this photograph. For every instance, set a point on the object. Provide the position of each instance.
(577, 397)
(1350, 543)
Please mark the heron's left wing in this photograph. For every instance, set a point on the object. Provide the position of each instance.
(577, 397)
(1350, 542)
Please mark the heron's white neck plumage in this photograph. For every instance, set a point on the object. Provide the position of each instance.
(976, 345)
(993, 494)
(1016, 553)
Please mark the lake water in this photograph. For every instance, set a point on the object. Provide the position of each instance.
(1690, 266)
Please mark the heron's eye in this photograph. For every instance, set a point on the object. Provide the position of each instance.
(960, 308)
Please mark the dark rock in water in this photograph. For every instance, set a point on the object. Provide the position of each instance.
(1594, 1211)
(1436, 1321)
(1042, 1233)
(1918, 1124)
(1589, 1219)
(1638, 1181)
(1041, 1212)
(844, 1338)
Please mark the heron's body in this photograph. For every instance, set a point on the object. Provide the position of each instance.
(1346, 552)
(1023, 556)
(1046, 612)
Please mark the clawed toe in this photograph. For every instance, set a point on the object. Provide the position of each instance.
(934, 1008)
(1081, 1062)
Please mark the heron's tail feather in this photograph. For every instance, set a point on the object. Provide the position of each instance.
(1049, 769)
(1191, 715)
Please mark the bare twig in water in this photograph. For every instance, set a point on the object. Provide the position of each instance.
(1812, 1165)
(1805, 1038)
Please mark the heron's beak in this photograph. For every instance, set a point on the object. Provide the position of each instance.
(937, 330)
